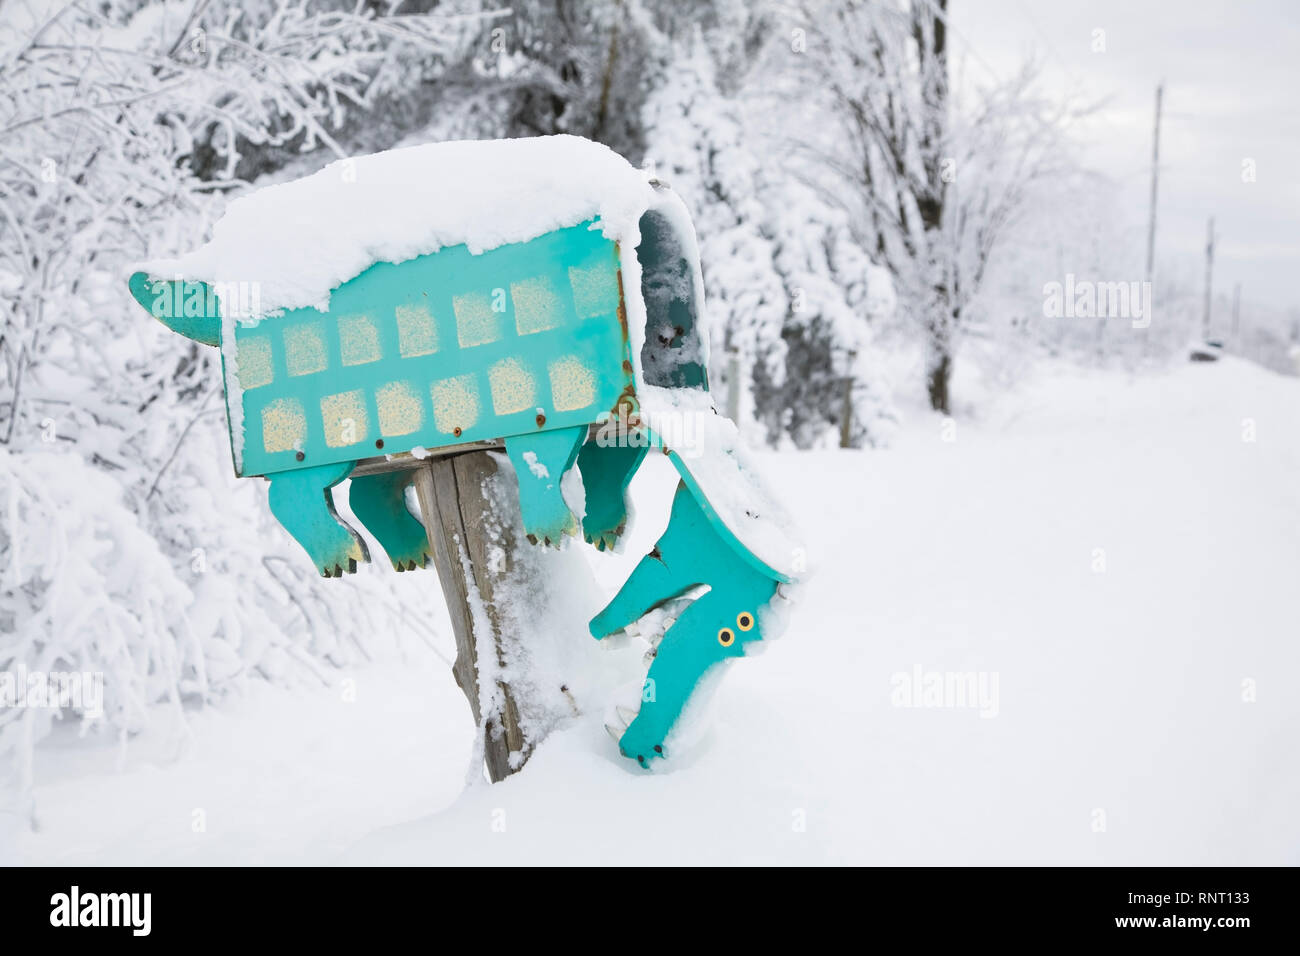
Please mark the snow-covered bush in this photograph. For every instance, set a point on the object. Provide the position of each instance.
(126, 548)
(791, 294)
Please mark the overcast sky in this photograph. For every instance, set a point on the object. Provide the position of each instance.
(1232, 83)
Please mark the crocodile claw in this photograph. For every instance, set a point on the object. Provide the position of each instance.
(338, 570)
(410, 564)
(605, 540)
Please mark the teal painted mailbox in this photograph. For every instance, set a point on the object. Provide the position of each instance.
(541, 293)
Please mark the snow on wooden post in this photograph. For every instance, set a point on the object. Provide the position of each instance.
(454, 506)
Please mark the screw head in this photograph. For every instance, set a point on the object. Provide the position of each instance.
(300, 456)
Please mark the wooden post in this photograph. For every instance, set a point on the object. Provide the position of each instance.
(1155, 179)
(846, 410)
(846, 414)
(1209, 277)
(455, 507)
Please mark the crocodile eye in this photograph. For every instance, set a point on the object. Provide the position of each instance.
(744, 620)
(726, 637)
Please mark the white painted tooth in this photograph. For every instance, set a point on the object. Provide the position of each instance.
(625, 715)
(628, 695)
(616, 734)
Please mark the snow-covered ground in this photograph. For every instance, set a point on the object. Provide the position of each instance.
(1122, 556)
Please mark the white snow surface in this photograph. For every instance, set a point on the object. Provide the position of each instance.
(1144, 712)
(302, 239)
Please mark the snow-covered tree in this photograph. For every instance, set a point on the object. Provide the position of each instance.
(126, 548)
(542, 67)
(787, 284)
(932, 179)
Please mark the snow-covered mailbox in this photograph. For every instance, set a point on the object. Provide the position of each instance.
(539, 294)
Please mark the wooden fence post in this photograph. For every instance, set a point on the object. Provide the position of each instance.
(455, 509)
(846, 414)
(846, 410)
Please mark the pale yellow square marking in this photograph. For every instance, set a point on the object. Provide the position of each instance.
(573, 384)
(358, 340)
(399, 408)
(476, 323)
(513, 387)
(417, 332)
(537, 305)
(253, 356)
(344, 417)
(595, 290)
(304, 349)
(284, 425)
(455, 403)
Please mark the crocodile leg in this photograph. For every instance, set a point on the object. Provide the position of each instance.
(540, 461)
(686, 556)
(607, 470)
(300, 500)
(379, 502)
(714, 628)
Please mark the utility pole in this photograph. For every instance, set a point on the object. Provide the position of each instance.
(1155, 177)
(1209, 277)
(1236, 310)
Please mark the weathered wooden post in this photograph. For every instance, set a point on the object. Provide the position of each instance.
(846, 410)
(453, 506)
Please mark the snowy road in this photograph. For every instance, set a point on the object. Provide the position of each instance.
(1115, 562)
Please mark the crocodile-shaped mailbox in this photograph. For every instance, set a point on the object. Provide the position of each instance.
(570, 343)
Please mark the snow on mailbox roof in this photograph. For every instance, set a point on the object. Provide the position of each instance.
(300, 240)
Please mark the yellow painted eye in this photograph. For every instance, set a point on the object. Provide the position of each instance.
(726, 637)
(744, 620)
